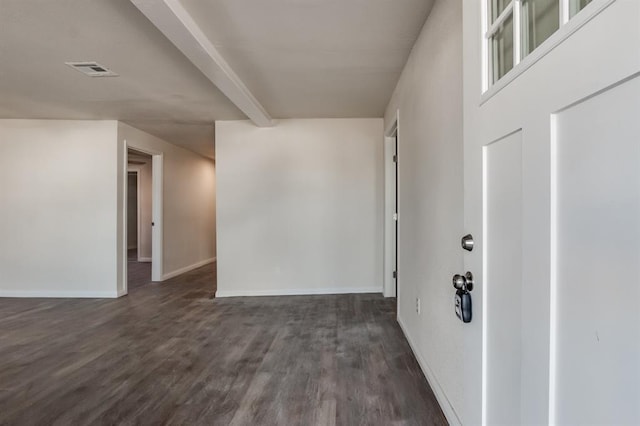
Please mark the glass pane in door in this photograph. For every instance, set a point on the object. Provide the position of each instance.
(540, 19)
(576, 6)
(502, 50)
(497, 7)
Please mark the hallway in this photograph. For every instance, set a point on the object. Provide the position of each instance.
(138, 273)
(168, 353)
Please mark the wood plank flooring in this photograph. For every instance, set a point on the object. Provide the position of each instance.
(138, 273)
(170, 354)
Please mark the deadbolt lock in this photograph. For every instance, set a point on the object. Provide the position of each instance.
(467, 242)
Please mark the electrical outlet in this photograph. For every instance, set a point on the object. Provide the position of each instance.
(418, 305)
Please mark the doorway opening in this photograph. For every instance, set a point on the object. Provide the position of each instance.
(391, 223)
(142, 214)
(139, 210)
(133, 213)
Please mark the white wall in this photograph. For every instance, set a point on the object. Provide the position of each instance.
(189, 201)
(299, 207)
(429, 100)
(58, 208)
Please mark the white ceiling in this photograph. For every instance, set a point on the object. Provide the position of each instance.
(314, 58)
(158, 90)
(299, 58)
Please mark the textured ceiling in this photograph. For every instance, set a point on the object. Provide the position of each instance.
(300, 58)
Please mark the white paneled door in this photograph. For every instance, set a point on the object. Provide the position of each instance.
(552, 197)
(595, 283)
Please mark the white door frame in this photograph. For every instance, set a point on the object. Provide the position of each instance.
(390, 246)
(156, 211)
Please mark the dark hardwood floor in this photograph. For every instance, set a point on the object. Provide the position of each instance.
(170, 354)
(138, 273)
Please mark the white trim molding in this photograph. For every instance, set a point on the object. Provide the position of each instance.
(187, 268)
(298, 292)
(390, 212)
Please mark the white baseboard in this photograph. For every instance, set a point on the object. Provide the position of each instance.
(298, 292)
(446, 406)
(61, 294)
(187, 268)
(144, 259)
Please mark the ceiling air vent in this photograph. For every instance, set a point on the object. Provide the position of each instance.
(92, 69)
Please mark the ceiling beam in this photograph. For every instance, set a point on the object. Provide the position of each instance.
(173, 20)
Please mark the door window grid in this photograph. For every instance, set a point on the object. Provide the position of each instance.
(515, 28)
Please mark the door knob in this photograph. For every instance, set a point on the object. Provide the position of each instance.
(459, 281)
(463, 282)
